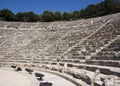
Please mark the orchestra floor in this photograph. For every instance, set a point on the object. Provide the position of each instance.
(9, 77)
(12, 78)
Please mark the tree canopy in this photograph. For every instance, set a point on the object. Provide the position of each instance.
(7, 15)
(103, 8)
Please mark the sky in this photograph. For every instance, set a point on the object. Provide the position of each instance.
(38, 6)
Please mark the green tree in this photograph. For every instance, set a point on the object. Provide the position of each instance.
(19, 16)
(27, 16)
(57, 16)
(7, 15)
(82, 13)
(32, 17)
(111, 6)
(47, 16)
(66, 16)
(40, 17)
(101, 9)
(75, 15)
(91, 11)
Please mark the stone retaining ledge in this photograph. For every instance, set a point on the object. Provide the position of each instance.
(75, 81)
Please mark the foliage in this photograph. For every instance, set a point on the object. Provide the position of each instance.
(47, 16)
(27, 16)
(7, 15)
(66, 16)
(103, 8)
(57, 16)
(75, 15)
